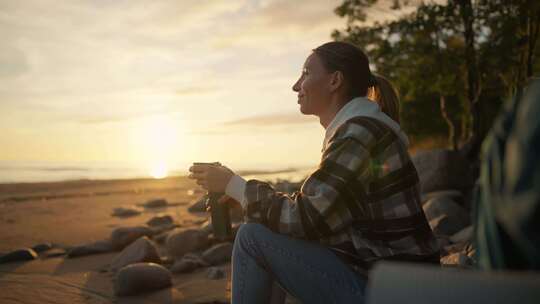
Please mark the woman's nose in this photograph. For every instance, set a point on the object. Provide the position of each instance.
(296, 86)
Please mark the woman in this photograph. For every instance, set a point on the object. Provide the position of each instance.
(360, 206)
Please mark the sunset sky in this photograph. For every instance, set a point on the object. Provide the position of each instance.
(160, 83)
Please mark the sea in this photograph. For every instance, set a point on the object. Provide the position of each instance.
(39, 171)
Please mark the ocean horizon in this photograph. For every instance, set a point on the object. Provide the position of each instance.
(53, 171)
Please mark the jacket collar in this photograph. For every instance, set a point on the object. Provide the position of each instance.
(361, 106)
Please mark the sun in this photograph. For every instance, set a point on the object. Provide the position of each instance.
(159, 171)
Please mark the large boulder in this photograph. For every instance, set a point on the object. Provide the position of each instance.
(218, 253)
(142, 250)
(442, 169)
(445, 225)
(455, 195)
(464, 235)
(123, 236)
(180, 242)
(20, 255)
(442, 205)
(97, 247)
(141, 277)
(445, 216)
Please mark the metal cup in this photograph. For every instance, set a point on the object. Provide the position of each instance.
(220, 213)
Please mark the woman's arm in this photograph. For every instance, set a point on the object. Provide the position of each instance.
(327, 202)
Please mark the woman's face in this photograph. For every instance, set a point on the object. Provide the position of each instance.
(313, 87)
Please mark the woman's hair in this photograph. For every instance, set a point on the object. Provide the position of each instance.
(354, 65)
(386, 95)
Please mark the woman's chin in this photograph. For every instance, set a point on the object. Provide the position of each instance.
(305, 110)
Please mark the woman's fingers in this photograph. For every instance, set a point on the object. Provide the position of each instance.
(198, 175)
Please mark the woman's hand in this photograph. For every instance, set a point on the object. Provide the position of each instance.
(211, 177)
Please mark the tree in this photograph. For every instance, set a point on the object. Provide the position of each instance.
(461, 59)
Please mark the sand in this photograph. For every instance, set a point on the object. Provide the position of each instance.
(77, 212)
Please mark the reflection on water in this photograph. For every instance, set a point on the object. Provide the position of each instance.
(11, 172)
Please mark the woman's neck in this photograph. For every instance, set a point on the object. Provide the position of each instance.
(333, 108)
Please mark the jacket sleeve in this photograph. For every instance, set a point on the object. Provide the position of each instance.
(328, 201)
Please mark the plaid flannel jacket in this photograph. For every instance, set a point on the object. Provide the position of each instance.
(362, 202)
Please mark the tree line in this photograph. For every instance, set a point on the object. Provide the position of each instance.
(453, 63)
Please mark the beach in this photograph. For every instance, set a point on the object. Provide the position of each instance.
(72, 213)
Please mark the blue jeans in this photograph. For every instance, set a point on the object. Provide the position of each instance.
(307, 270)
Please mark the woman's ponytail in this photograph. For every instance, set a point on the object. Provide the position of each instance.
(386, 96)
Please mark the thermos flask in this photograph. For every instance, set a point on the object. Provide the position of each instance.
(219, 213)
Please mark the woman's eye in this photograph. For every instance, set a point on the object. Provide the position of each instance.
(304, 71)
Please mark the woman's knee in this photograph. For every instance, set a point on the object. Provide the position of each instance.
(250, 232)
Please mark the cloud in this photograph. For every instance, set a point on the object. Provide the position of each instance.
(276, 119)
(13, 62)
(196, 90)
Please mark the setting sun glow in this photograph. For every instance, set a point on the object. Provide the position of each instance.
(159, 171)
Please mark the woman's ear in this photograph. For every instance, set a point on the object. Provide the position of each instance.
(336, 80)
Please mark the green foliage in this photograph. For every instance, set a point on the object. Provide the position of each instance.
(424, 54)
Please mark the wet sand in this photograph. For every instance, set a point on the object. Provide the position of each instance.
(77, 212)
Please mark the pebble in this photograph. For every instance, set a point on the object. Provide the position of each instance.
(39, 248)
(19, 255)
(141, 277)
(215, 273)
(91, 248)
(160, 220)
(123, 236)
(180, 242)
(125, 212)
(142, 250)
(218, 254)
(156, 203)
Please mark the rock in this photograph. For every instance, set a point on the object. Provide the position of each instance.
(19, 255)
(438, 206)
(123, 236)
(142, 250)
(55, 252)
(446, 225)
(199, 205)
(455, 195)
(456, 259)
(459, 247)
(443, 241)
(125, 212)
(160, 220)
(156, 203)
(206, 227)
(215, 273)
(218, 253)
(443, 169)
(164, 228)
(180, 242)
(161, 238)
(167, 261)
(91, 248)
(39, 248)
(464, 235)
(141, 277)
(189, 262)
